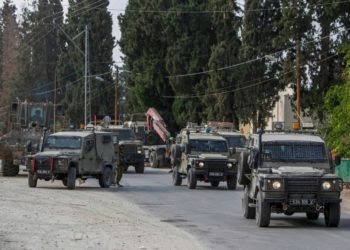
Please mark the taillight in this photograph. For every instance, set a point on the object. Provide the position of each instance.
(33, 165)
(51, 164)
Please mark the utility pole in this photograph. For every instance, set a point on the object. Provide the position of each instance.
(298, 75)
(54, 102)
(86, 74)
(116, 97)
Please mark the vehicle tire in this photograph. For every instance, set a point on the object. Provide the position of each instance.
(262, 212)
(332, 214)
(312, 215)
(140, 167)
(9, 169)
(105, 179)
(64, 182)
(153, 161)
(72, 175)
(191, 179)
(214, 183)
(248, 212)
(32, 180)
(175, 154)
(177, 180)
(288, 213)
(231, 182)
(243, 169)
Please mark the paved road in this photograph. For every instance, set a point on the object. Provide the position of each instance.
(213, 215)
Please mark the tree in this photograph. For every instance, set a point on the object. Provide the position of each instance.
(224, 52)
(337, 107)
(9, 46)
(259, 81)
(98, 19)
(39, 49)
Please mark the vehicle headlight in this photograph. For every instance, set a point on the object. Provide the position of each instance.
(276, 185)
(201, 164)
(326, 185)
(139, 150)
(229, 165)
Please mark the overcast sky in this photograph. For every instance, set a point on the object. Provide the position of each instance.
(115, 6)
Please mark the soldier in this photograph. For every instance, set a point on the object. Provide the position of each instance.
(119, 175)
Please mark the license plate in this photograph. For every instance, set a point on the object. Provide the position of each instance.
(40, 171)
(215, 174)
(301, 202)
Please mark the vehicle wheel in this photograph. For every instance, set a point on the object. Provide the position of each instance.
(191, 179)
(332, 214)
(72, 174)
(262, 212)
(153, 161)
(288, 213)
(64, 181)
(243, 169)
(140, 168)
(214, 183)
(8, 169)
(231, 182)
(177, 180)
(32, 180)
(248, 212)
(312, 215)
(105, 180)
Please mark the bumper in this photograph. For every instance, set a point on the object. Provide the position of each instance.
(132, 159)
(206, 175)
(301, 199)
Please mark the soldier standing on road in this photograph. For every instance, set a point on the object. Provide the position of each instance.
(119, 174)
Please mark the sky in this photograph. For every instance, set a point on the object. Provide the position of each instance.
(115, 6)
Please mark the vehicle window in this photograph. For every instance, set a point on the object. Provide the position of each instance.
(236, 141)
(89, 145)
(125, 134)
(294, 152)
(115, 139)
(62, 142)
(208, 146)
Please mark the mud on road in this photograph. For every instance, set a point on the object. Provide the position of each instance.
(52, 217)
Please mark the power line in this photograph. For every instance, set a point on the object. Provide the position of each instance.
(240, 88)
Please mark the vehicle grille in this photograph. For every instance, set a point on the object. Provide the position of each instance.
(216, 166)
(301, 185)
(42, 163)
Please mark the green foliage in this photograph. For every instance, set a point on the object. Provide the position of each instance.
(71, 68)
(337, 107)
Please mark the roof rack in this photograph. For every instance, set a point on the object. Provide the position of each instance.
(307, 132)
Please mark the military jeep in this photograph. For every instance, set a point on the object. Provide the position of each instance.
(202, 157)
(289, 173)
(130, 150)
(235, 140)
(69, 155)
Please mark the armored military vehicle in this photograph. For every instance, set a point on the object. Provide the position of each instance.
(130, 151)
(289, 173)
(201, 156)
(69, 155)
(23, 130)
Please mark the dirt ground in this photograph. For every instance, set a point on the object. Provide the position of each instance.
(52, 217)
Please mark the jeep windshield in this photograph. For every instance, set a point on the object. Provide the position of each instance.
(208, 146)
(63, 142)
(235, 141)
(294, 152)
(125, 134)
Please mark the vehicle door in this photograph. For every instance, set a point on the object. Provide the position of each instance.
(89, 155)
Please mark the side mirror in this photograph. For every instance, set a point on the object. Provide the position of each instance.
(337, 160)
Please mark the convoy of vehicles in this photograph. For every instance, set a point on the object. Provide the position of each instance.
(69, 155)
(289, 173)
(281, 172)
